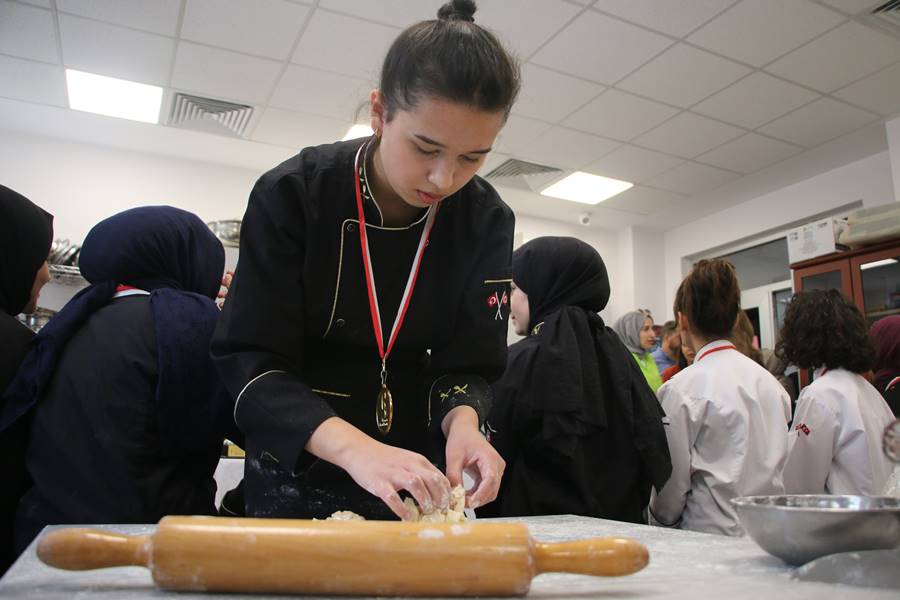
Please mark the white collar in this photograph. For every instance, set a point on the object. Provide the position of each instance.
(134, 292)
(712, 346)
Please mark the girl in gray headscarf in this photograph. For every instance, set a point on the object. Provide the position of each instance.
(635, 329)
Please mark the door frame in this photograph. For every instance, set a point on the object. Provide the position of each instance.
(761, 297)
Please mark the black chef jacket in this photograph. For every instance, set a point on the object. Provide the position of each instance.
(15, 337)
(606, 473)
(295, 344)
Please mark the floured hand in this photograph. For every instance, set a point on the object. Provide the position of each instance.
(452, 514)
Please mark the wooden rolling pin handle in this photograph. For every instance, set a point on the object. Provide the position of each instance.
(608, 557)
(79, 549)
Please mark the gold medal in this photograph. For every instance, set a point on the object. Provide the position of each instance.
(384, 410)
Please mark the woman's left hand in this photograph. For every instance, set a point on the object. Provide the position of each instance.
(468, 449)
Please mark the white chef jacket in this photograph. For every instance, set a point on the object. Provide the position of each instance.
(727, 423)
(836, 442)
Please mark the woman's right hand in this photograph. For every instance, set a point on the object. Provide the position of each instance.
(380, 469)
(384, 470)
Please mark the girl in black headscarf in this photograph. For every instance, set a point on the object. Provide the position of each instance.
(26, 232)
(128, 413)
(573, 416)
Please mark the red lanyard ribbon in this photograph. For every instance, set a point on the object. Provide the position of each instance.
(719, 349)
(892, 383)
(384, 352)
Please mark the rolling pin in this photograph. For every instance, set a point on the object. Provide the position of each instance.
(380, 558)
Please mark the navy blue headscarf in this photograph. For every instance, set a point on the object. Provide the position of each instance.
(172, 254)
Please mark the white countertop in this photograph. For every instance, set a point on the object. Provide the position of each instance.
(683, 565)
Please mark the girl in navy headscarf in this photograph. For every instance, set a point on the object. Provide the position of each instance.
(128, 413)
(573, 416)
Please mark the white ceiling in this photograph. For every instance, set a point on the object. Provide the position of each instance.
(681, 97)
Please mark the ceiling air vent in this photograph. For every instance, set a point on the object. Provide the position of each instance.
(523, 175)
(209, 115)
(886, 16)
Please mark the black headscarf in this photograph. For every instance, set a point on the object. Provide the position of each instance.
(26, 232)
(575, 381)
(566, 283)
(172, 254)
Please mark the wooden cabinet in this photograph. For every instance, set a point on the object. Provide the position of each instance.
(869, 276)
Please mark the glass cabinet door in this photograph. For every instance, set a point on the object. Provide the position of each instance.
(829, 280)
(833, 275)
(877, 283)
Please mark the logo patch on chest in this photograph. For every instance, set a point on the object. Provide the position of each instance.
(802, 427)
(496, 303)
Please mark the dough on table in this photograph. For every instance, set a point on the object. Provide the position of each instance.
(345, 515)
(453, 514)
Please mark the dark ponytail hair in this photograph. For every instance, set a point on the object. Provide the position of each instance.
(710, 297)
(449, 58)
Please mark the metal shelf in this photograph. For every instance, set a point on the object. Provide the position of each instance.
(66, 275)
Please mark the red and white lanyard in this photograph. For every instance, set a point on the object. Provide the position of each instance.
(123, 291)
(706, 353)
(383, 351)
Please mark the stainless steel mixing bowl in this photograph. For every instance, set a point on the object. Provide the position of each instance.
(798, 529)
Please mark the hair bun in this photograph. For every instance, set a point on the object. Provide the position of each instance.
(458, 10)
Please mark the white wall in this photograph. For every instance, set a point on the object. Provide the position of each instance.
(649, 274)
(81, 184)
(639, 276)
(604, 241)
(624, 272)
(893, 138)
(868, 181)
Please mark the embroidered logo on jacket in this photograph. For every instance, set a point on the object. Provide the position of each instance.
(802, 427)
(498, 302)
(453, 391)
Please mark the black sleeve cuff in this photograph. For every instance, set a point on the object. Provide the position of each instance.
(278, 413)
(449, 391)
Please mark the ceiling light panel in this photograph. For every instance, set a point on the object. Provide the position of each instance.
(113, 97)
(586, 188)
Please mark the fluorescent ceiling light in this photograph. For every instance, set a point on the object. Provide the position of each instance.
(878, 263)
(113, 97)
(357, 131)
(586, 188)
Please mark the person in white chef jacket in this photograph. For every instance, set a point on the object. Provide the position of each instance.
(727, 416)
(835, 443)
